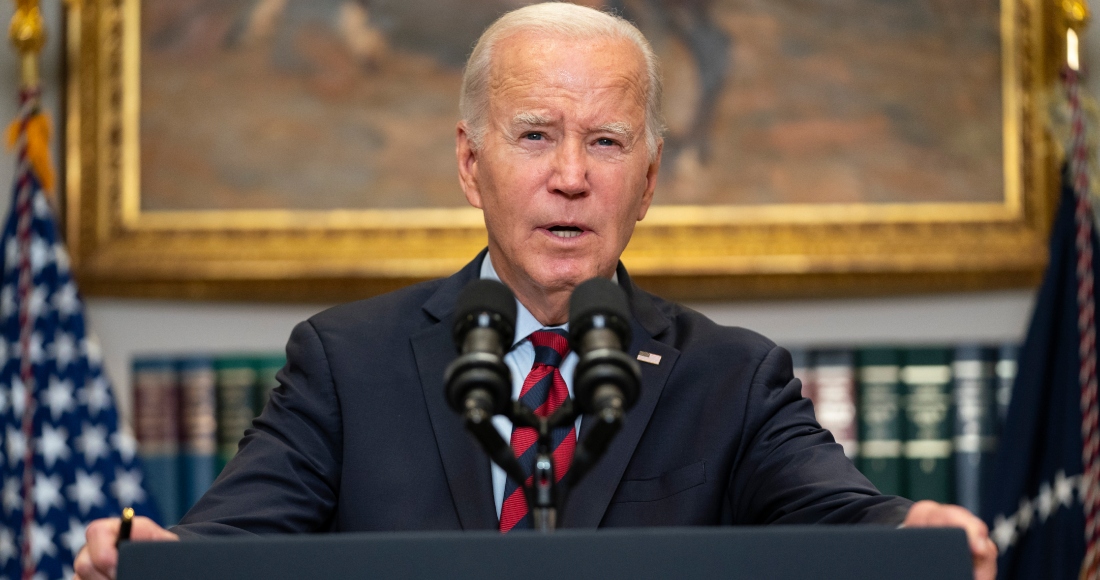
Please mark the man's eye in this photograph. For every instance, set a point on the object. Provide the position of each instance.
(533, 136)
(605, 142)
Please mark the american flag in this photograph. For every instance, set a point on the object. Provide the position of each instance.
(64, 462)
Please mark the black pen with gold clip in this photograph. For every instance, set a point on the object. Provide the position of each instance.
(124, 527)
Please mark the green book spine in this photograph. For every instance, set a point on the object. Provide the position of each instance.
(266, 369)
(880, 419)
(236, 392)
(926, 376)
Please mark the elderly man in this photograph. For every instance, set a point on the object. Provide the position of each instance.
(559, 145)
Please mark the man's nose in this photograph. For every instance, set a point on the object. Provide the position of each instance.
(570, 172)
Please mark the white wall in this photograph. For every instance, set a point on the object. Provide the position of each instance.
(128, 327)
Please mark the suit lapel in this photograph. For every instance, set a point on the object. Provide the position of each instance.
(587, 502)
(466, 465)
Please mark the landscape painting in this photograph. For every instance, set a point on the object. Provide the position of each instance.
(352, 104)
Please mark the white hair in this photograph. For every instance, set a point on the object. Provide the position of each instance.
(565, 20)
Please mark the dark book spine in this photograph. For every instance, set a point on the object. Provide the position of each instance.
(881, 428)
(198, 425)
(1007, 355)
(800, 361)
(236, 392)
(975, 435)
(266, 370)
(835, 397)
(926, 376)
(156, 428)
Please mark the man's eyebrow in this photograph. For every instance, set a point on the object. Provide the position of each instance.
(619, 128)
(529, 118)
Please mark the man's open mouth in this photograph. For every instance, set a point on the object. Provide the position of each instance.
(565, 231)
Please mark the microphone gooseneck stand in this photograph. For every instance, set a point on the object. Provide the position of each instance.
(605, 384)
(545, 497)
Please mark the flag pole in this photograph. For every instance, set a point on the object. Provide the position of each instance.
(1076, 14)
(28, 35)
(29, 133)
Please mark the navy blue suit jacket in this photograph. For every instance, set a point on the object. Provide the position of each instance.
(358, 436)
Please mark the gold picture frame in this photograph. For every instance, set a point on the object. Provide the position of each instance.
(685, 252)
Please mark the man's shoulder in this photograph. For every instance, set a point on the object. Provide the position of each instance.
(402, 308)
(693, 333)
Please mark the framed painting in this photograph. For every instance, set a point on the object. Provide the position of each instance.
(304, 149)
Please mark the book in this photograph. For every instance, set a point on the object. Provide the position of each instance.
(975, 423)
(236, 391)
(266, 369)
(881, 426)
(156, 428)
(1007, 356)
(198, 428)
(800, 361)
(834, 397)
(926, 380)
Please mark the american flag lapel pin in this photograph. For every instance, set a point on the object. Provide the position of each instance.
(648, 357)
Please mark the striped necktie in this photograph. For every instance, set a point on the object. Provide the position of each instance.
(543, 391)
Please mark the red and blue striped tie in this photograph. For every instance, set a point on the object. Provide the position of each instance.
(543, 391)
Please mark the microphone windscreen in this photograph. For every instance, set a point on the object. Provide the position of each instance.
(599, 296)
(486, 296)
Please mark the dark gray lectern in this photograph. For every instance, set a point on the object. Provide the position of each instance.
(795, 552)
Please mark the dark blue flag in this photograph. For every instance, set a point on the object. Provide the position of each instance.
(63, 461)
(1036, 508)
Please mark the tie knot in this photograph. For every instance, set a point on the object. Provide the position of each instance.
(551, 346)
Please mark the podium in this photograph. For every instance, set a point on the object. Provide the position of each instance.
(778, 552)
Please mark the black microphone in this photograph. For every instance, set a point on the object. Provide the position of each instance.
(605, 382)
(479, 384)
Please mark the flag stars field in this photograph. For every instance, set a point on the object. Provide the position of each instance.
(127, 487)
(87, 492)
(125, 444)
(53, 445)
(18, 397)
(7, 301)
(37, 350)
(42, 542)
(36, 305)
(41, 254)
(12, 499)
(15, 446)
(92, 443)
(67, 301)
(47, 492)
(97, 396)
(59, 398)
(7, 546)
(11, 254)
(74, 539)
(63, 350)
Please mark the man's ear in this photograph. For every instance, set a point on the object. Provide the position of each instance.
(467, 165)
(651, 180)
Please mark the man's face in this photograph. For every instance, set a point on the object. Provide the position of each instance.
(563, 172)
